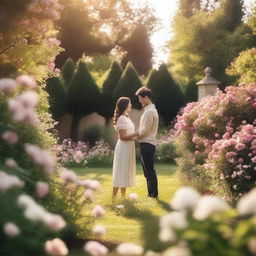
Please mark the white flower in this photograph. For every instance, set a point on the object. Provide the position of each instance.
(208, 205)
(10, 137)
(167, 234)
(25, 201)
(185, 198)
(10, 162)
(56, 247)
(7, 85)
(54, 221)
(133, 196)
(98, 211)
(247, 204)
(175, 220)
(69, 176)
(11, 230)
(26, 80)
(120, 206)
(88, 193)
(129, 249)
(99, 230)
(41, 157)
(35, 212)
(177, 251)
(42, 189)
(95, 249)
(9, 181)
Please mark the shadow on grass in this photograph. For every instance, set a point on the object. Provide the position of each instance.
(150, 226)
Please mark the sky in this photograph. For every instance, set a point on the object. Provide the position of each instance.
(165, 10)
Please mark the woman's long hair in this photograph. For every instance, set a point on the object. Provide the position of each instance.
(121, 105)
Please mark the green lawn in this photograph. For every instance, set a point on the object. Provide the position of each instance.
(136, 219)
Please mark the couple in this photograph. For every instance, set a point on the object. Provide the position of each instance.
(124, 166)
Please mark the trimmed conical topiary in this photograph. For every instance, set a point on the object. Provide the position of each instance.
(67, 71)
(167, 96)
(128, 84)
(57, 97)
(107, 99)
(83, 95)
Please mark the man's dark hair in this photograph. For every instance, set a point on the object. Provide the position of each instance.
(143, 92)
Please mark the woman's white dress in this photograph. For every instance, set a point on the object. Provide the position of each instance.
(124, 164)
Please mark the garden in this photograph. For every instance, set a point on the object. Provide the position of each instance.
(63, 66)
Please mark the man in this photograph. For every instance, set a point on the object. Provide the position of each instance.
(147, 138)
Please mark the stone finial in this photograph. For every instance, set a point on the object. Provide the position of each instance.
(208, 85)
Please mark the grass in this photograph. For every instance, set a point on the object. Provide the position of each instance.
(138, 221)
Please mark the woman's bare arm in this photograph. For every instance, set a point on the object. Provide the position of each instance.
(122, 134)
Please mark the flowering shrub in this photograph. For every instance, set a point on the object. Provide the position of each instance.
(165, 148)
(31, 184)
(215, 138)
(207, 225)
(71, 153)
(28, 37)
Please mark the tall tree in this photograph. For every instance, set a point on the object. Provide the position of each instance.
(67, 72)
(28, 43)
(98, 26)
(139, 50)
(203, 39)
(57, 97)
(108, 87)
(166, 93)
(187, 7)
(128, 84)
(83, 96)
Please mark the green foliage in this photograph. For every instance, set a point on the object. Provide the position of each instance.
(92, 134)
(86, 20)
(67, 72)
(83, 92)
(57, 97)
(108, 103)
(203, 39)
(188, 7)
(139, 50)
(128, 84)
(28, 43)
(166, 152)
(244, 66)
(166, 94)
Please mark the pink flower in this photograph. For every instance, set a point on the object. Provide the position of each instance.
(253, 159)
(41, 157)
(99, 230)
(26, 80)
(7, 85)
(42, 189)
(11, 230)
(9, 181)
(89, 194)
(95, 249)
(91, 184)
(98, 211)
(216, 135)
(56, 247)
(10, 137)
(69, 176)
(240, 146)
(10, 162)
(54, 221)
(240, 160)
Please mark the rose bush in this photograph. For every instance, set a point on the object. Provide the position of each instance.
(215, 140)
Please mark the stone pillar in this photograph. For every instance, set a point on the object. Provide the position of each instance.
(208, 85)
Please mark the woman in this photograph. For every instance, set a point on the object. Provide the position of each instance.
(124, 165)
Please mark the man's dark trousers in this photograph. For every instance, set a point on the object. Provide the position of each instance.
(147, 151)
